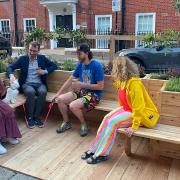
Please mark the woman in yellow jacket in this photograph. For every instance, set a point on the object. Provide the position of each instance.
(136, 108)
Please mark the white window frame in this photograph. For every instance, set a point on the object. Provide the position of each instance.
(26, 19)
(137, 19)
(9, 24)
(96, 23)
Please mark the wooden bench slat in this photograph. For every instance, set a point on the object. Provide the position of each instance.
(20, 100)
(104, 105)
(160, 132)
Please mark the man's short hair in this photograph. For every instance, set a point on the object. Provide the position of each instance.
(35, 44)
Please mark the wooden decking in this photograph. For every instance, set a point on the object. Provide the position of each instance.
(47, 155)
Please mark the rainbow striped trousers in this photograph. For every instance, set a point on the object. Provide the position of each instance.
(119, 118)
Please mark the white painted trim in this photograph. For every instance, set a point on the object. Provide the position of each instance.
(5, 20)
(24, 22)
(137, 19)
(45, 2)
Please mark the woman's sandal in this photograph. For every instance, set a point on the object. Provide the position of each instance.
(86, 155)
(96, 160)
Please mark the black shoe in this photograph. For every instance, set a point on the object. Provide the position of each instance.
(39, 123)
(86, 155)
(31, 124)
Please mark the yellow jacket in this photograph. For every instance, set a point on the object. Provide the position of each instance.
(143, 109)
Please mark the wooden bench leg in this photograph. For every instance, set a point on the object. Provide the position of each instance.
(152, 144)
(127, 145)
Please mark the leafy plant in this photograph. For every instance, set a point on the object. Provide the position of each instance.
(177, 5)
(38, 34)
(173, 85)
(162, 76)
(3, 67)
(77, 36)
(69, 65)
(167, 39)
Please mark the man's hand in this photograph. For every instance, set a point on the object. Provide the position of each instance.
(55, 98)
(40, 72)
(129, 131)
(76, 84)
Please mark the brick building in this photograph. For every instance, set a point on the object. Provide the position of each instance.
(94, 16)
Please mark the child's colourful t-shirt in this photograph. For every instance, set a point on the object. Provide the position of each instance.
(123, 99)
(90, 74)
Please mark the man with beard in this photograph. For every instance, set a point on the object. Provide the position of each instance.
(87, 82)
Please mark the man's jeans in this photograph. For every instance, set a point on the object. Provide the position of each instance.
(35, 98)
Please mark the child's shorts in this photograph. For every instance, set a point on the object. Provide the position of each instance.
(89, 99)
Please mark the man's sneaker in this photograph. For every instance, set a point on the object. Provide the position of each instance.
(39, 123)
(3, 150)
(12, 141)
(31, 123)
(83, 130)
(63, 127)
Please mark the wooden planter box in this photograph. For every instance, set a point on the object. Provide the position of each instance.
(170, 115)
(154, 86)
(170, 107)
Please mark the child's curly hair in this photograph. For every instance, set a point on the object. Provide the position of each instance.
(124, 69)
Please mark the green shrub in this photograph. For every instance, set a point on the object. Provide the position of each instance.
(69, 65)
(161, 76)
(173, 85)
(3, 67)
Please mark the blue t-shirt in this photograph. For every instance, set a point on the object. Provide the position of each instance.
(90, 74)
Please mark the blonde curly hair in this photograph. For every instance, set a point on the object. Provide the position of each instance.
(124, 69)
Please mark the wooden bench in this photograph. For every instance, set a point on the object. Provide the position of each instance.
(57, 79)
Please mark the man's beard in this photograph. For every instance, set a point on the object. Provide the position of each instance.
(82, 60)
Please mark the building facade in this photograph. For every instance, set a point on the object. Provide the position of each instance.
(93, 16)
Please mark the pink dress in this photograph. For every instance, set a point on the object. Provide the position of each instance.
(8, 124)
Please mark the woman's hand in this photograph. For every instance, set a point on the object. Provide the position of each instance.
(129, 131)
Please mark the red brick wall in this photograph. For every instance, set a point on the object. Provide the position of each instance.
(25, 9)
(166, 15)
(87, 9)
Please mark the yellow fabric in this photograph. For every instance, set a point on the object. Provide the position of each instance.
(143, 109)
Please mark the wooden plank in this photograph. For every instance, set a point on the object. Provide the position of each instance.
(174, 173)
(158, 134)
(171, 98)
(20, 100)
(167, 149)
(170, 110)
(119, 169)
(169, 120)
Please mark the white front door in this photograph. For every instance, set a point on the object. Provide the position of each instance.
(145, 23)
(103, 26)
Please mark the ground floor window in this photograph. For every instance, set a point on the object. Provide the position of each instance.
(103, 26)
(29, 24)
(5, 27)
(145, 23)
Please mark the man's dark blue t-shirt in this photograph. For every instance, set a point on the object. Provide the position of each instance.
(90, 74)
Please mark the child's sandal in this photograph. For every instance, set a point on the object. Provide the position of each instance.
(86, 155)
(96, 160)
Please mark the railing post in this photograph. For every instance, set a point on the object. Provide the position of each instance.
(112, 48)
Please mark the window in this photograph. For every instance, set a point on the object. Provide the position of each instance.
(103, 25)
(145, 23)
(5, 28)
(29, 24)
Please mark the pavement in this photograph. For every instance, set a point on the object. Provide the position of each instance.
(6, 174)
